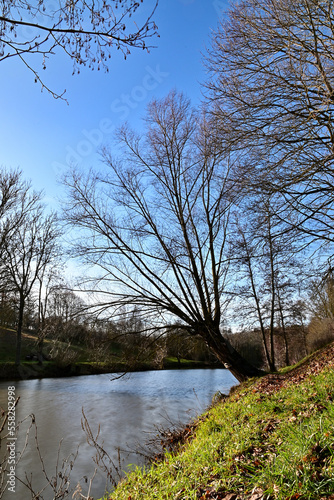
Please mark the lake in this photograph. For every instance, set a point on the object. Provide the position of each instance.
(129, 411)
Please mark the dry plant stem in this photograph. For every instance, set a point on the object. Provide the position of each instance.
(90, 486)
(102, 458)
(6, 417)
(59, 482)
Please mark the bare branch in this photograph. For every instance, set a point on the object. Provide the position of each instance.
(155, 225)
(87, 31)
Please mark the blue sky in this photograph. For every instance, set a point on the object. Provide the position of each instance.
(42, 136)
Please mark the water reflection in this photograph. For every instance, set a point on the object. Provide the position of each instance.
(129, 410)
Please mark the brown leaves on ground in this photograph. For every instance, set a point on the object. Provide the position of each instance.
(311, 366)
(212, 494)
(171, 440)
(268, 385)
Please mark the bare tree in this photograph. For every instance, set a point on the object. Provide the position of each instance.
(271, 95)
(249, 291)
(322, 296)
(13, 192)
(156, 224)
(67, 320)
(27, 252)
(10, 186)
(16, 201)
(48, 281)
(269, 274)
(86, 30)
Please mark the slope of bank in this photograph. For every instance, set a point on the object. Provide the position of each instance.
(272, 438)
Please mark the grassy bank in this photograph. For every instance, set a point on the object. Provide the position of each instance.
(49, 369)
(273, 438)
(83, 364)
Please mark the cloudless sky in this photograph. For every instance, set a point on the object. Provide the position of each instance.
(43, 136)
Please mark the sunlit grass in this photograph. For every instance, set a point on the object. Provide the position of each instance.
(279, 444)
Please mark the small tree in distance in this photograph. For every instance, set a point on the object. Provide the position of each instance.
(321, 308)
(268, 265)
(27, 251)
(156, 225)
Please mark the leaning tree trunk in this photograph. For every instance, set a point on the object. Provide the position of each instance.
(231, 359)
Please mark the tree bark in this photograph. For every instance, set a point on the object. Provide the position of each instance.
(240, 368)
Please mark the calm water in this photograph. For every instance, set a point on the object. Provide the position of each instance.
(129, 411)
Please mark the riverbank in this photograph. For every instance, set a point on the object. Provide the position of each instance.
(83, 365)
(272, 438)
(32, 370)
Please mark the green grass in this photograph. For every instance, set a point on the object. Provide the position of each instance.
(81, 365)
(78, 360)
(172, 362)
(280, 444)
(29, 346)
(8, 345)
(303, 361)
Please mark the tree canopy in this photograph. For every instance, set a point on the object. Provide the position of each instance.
(271, 96)
(88, 31)
(157, 224)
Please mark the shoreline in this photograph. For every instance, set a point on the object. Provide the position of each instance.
(32, 370)
(237, 449)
